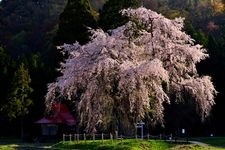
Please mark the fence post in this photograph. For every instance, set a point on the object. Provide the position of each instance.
(102, 137)
(70, 137)
(63, 137)
(148, 136)
(78, 137)
(84, 137)
(74, 137)
(116, 134)
(93, 137)
(111, 137)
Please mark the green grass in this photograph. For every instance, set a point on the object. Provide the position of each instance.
(195, 147)
(132, 144)
(22, 146)
(7, 147)
(214, 141)
(16, 144)
(129, 144)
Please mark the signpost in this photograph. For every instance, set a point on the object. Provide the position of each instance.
(183, 131)
(140, 125)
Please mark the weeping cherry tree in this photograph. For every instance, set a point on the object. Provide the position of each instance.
(128, 73)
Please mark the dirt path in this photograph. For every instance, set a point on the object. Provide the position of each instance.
(198, 143)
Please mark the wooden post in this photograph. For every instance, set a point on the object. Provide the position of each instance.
(93, 137)
(75, 137)
(63, 138)
(111, 137)
(116, 134)
(78, 137)
(84, 137)
(70, 137)
(102, 137)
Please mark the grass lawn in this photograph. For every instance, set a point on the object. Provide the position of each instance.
(24, 146)
(131, 144)
(214, 141)
(128, 144)
(195, 147)
(16, 144)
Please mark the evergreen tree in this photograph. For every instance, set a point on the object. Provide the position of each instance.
(110, 16)
(77, 16)
(6, 65)
(24, 24)
(18, 100)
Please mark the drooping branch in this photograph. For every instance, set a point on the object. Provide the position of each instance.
(128, 75)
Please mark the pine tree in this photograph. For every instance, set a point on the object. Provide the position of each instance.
(18, 100)
(110, 16)
(77, 16)
(6, 65)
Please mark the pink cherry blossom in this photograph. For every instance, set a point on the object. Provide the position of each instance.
(132, 70)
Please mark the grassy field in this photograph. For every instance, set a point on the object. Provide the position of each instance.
(16, 144)
(216, 143)
(132, 144)
(129, 144)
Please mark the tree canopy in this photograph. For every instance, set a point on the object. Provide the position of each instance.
(18, 99)
(128, 74)
(77, 16)
(110, 16)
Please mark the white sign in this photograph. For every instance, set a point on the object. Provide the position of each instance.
(183, 131)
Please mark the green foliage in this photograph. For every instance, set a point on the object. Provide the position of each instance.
(19, 38)
(6, 69)
(18, 100)
(76, 17)
(24, 24)
(4, 62)
(110, 17)
(176, 13)
(214, 141)
(199, 36)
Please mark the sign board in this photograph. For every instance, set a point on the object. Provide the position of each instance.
(141, 126)
(183, 131)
